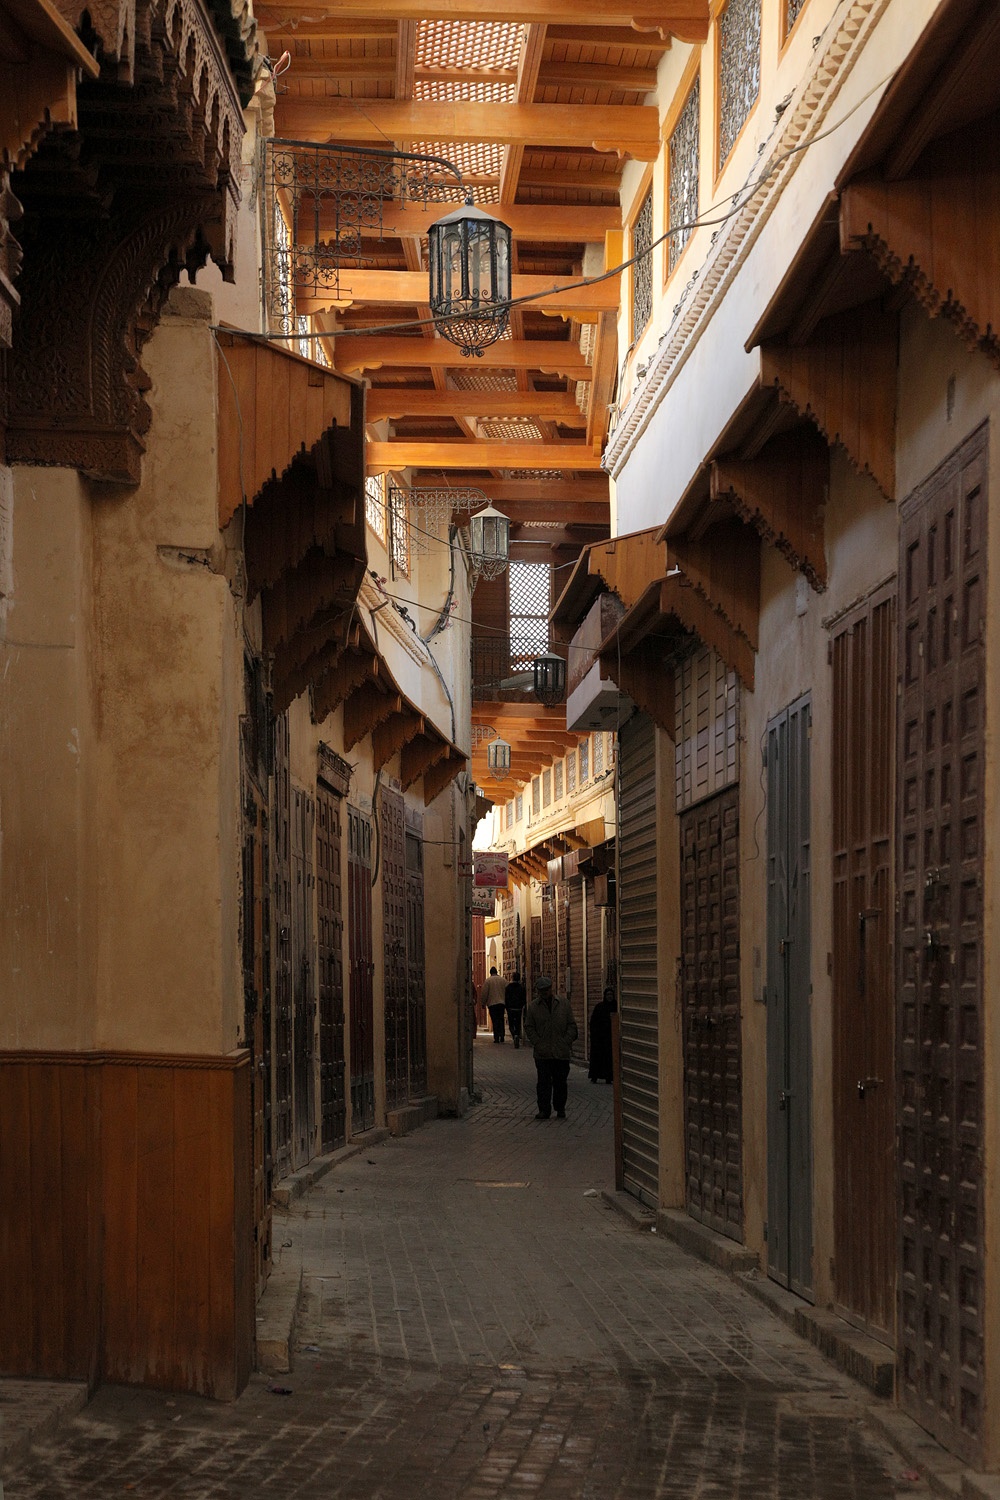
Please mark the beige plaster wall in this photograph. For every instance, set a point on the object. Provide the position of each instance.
(47, 763)
(168, 694)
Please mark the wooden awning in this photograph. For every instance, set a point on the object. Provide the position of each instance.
(624, 564)
(355, 677)
(291, 455)
(534, 863)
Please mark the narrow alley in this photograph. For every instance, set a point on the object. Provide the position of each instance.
(477, 1321)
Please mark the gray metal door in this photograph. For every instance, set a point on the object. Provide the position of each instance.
(640, 1040)
(789, 993)
(940, 843)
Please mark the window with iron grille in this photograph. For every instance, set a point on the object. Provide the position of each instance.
(642, 269)
(510, 814)
(529, 600)
(571, 772)
(793, 8)
(375, 504)
(584, 760)
(520, 806)
(546, 788)
(399, 530)
(739, 69)
(684, 166)
(283, 308)
(536, 796)
(304, 342)
(557, 780)
(598, 754)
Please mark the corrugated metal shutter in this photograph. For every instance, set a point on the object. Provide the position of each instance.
(595, 950)
(637, 962)
(577, 993)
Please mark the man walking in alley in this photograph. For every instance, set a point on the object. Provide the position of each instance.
(551, 1030)
(492, 996)
(516, 999)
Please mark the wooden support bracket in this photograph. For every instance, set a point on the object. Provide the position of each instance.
(418, 756)
(437, 777)
(364, 709)
(389, 737)
(782, 494)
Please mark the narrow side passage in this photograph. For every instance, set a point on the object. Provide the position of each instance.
(476, 1325)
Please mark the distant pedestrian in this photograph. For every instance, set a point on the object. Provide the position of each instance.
(601, 1063)
(492, 996)
(515, 999)
(551, 1030)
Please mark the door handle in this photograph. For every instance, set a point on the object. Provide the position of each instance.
(783, 1099)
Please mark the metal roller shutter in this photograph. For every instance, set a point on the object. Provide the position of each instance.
(637, 963)
(595, 952)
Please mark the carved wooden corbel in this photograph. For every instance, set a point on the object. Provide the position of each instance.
(782, 494)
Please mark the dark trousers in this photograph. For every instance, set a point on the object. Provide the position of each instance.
(496, 1020)
(553, 1082)
(514, 1017)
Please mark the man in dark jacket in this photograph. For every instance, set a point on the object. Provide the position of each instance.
(515, 1000)
(551, 1030)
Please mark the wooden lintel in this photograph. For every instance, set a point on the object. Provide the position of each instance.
(401, 351)
(782, 494)
(364, 709)
(393, 456)
(844, 380)
(679, 599)
(935, 233)
(724, 566)
(418, 755)
(403, 401)
(556, 294)
(442, 774)
(389, 737)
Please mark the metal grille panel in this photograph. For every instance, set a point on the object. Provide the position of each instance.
(713, 1082)
(685, 165)
(639, 1006)
(359, 922)
(642, 268)
(330, 915)
(940, 964)
(739, 69)
(394, 944)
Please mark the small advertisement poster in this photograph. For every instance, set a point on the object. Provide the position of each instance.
(490, 869)
(483, 900)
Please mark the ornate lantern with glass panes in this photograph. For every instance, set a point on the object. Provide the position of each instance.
(549, 673)
(470, 260)
(489, 542)
(498, 759)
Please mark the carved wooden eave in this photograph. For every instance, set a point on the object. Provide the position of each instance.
(145, 186)
(782, 494)
(624, 564)
(722, 564)
(291, 460)
(40, 62)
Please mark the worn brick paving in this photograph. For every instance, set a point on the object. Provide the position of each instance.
(476, 1323)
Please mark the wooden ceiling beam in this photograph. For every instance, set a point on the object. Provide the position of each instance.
(400, 454)
(597, 75)
(556, 294)
(538, 496)
(401, 401)
(627, 129)
(685, 19)
(532, 48)
(570, 225)
(553, 356)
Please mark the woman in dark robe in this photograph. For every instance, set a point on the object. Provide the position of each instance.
(600, 1037)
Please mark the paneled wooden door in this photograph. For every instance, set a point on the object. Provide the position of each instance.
(863, 651)
(713, 1075)
(397, 1085)
(940, 840)
(359, 923)
(330, 916)
(281, 905)
(416, 981)
(303, 975)
(789, 1001)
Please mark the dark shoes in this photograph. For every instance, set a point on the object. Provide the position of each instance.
(541, 1117)
(560, 1114)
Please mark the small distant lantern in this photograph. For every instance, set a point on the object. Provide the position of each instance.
(470, 261)
(498, 759)
(489, 533)
(549, 673)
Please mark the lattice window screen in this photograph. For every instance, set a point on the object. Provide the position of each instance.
(706, 754)
(399, 530)
(571, 772)
(792, 10)
(685, 164)
(598, 754)
(520, 806)
(530, 586)
(546, 788)
(536, 796)
(584, 761)
(642, 270)
(739, 69)
(375, 504)
(557, 780)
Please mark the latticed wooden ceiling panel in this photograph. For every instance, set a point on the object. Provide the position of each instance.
(478, 45)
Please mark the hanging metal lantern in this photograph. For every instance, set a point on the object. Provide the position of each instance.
(498, 759)
(489, 542)
(549, 673)
(470, 260)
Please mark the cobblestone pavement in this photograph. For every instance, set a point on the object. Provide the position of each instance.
(478, 1323)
